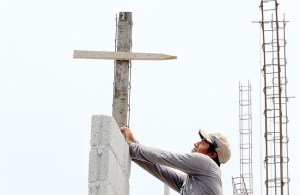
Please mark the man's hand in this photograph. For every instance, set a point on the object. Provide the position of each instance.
(128, 135)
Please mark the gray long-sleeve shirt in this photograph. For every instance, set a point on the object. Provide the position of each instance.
(202, 175)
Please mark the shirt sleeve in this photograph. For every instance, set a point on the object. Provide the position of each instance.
(172, 178)
(192, 164)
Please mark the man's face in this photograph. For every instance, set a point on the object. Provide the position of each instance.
(201, 147)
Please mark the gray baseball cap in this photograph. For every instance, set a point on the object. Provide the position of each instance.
(221, 144)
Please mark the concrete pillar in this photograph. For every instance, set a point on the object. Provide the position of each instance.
(166, 190)
(110, 162)
(121, 80)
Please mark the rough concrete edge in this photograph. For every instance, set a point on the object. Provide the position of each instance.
(122, 157)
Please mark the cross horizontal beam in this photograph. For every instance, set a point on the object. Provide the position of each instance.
(107, 55)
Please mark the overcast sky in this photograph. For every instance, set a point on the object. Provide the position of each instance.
(47, 98)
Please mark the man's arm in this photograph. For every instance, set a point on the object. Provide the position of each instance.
(167, 175)
(192, 164)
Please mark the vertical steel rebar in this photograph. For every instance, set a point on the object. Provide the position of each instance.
(274, 69)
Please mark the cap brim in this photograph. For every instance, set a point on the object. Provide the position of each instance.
(204, 135)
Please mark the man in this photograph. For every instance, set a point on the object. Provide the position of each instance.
(201, 166)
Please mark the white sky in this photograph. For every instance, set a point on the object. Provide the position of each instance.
(47, 98)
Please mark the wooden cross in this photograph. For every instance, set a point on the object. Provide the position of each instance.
(122, 58)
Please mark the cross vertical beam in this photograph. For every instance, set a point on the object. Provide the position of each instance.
(108, 153)
(121, 78)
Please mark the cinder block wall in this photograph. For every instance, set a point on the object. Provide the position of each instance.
(110, 163)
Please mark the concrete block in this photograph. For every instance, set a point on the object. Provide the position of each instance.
(93, 190)
(110, 162)
(108, 168)
(94, 166)
(106, 131)
(127, 164)
(106, 189)
(123, 182)
(101, 129)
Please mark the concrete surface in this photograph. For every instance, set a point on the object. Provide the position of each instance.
(110, 163)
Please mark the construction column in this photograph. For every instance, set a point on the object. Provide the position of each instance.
(110, 163)
(121, 80)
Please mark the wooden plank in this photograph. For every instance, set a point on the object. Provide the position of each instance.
(107, 55)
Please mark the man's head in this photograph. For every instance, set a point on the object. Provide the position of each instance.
(213, 145)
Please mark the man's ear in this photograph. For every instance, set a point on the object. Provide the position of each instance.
(212, 154)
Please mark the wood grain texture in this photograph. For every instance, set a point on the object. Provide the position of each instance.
(106, 55)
